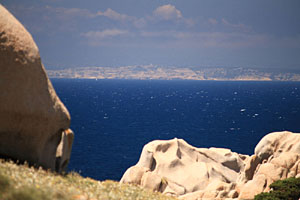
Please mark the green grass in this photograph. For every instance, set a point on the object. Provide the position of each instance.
(20, 182)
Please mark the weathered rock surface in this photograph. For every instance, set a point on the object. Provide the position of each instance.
(277, 157)
(176, 168)
(33, 121)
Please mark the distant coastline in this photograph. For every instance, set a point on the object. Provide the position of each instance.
(148, 72)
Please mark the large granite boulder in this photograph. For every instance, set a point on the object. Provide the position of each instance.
(176, 168)
(277, 157)
(34, 124)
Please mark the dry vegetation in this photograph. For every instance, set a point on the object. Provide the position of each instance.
(20, 182)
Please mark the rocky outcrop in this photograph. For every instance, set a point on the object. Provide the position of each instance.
(176, 168)
(33, 121)
(277, 157)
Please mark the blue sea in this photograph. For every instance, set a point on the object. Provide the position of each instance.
(114, 119)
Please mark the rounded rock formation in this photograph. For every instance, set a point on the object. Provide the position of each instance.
(176, 168)
(33, 121)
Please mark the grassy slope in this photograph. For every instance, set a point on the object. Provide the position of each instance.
(22, 182)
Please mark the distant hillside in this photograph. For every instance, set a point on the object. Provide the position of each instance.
(168, 73)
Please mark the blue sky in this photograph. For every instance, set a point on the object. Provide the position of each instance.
(211, 33)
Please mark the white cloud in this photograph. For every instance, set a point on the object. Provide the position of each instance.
(157, 34)
(65, 13)
(167, 12)
(105, 33)
(140, 23)
(114, 15)
(189, 22)
(212, 21)
(110, 13)
(105, 37)
(239, 26)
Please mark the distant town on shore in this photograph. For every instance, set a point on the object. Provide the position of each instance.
(148, 72)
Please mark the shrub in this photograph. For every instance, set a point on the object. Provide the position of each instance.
(288, 189)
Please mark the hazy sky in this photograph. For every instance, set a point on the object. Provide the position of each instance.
(247, 33)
